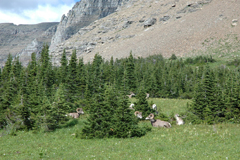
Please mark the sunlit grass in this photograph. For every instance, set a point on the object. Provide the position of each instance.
(168, 106)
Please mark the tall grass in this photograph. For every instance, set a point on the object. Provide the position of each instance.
(179, 142)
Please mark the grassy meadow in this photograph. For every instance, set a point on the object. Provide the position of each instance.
(220, 141)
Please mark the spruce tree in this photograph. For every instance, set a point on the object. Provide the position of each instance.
(7, 68)
(71, 85)
(81, 78)
(64, 68)
(59, 106)
(130, 74)
(142, 104)
(96, 126)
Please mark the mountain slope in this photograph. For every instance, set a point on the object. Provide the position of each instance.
(180, 27)
(24, 39)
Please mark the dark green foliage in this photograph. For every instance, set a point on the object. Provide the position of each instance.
(200, 60)
(97, 126)
(63, 68)
(37, 97)
(210, 104)
(235, 62)
(72, 83)
(130, 74)
(142, 104)
(110, 117)
(173, 57)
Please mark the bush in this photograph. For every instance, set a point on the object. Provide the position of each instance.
(235, 62)
(173, 57)
(200, 60)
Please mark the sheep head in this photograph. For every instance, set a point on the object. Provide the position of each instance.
(79, 111)
(138, 114)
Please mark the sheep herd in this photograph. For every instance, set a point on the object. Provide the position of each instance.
(157, 122)
(154, 122)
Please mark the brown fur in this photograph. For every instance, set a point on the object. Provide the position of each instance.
(131, 94)
(158, 123)
(76, 115)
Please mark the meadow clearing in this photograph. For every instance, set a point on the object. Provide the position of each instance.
(221, 141)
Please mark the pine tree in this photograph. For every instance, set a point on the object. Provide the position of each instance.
(131, 81)
(96, 127)
(59, 106)
(64, 68)
(71, 85)
(81, 78)
(7, 68)
(142, 103)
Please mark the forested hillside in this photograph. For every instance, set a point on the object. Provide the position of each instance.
(38, 96)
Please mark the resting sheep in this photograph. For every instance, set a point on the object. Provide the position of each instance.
(154, 106)
(131, 106)
(131, 94)
(76, 115)
(179, 121)
(138, 114)
(158, 123)
(147, 95)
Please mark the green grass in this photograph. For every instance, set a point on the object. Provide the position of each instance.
(179, 142)
(168, 106)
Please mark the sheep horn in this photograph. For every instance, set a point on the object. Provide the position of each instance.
(137, 112)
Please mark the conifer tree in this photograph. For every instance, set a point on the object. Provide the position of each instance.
(71, 85)
(142, 103)
(130, 75)
(96, 126)
(7, 68)
(64, 68)
(125, 124)
(81, 78)
(59, 106)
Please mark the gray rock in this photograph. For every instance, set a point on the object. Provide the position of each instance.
(127, 24)
(82, 14)
(142, 20)
(149, 22)
(178, 17)
(164, 18)
(234, 22)
(22, 40)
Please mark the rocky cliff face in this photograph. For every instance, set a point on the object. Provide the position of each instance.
(82, 14)
(22, 40)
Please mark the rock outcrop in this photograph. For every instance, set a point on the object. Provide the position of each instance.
(22, 40)
(82, 14)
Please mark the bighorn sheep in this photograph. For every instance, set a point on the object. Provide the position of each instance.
(138, 114)
(76, 115)
(179, 121)
(147, 95)
(131, 94)
(154, 106)
(158, 123)
(131, 106)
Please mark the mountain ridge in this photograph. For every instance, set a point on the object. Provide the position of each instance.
(114, 28)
